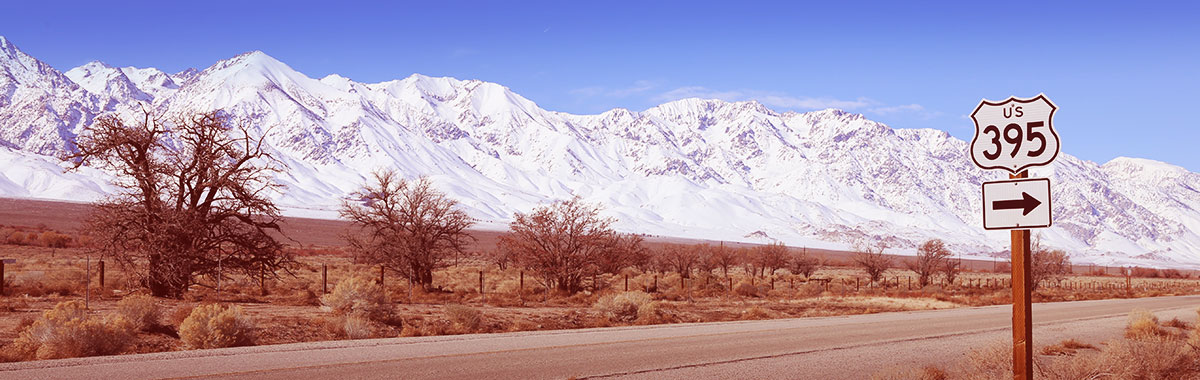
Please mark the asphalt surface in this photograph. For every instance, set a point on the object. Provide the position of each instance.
(810, 348)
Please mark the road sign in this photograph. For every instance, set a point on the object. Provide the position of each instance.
(1014, 134)
(1017, 203)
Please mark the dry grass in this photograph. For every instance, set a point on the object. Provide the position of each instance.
(625, 306)
(926, 373)
(289, 312)
(1066, 347)
(1148, 351)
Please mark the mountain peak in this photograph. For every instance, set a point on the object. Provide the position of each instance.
(97, 64)
(251, 60)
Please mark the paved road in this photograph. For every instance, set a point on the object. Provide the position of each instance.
(817, 348)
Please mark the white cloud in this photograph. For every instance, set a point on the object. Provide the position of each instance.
(587, 91)
(634, 89)
(770, 99)
(895, 109)
(699, 92)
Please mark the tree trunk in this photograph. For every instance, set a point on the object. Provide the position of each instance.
(164, 281)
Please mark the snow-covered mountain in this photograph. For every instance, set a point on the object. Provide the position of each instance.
(690, 168)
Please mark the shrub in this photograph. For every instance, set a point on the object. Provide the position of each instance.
(356, 295)
(1194, 337)
(68, 331)
(466, 318)
(216, 326)
(993, 361)
(53, 239)
(756, 312)
(15, 238)
(1143, 324)
(1152, 357)
(140, 310)
(357, 326)
(649, 313)
(810, 289)
(622, 307)
(745, 289)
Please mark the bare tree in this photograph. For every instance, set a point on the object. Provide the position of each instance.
(722, 257)
(872, 260)
(561, 241)
(625, 251)
(804, 264)
(406, 226)
(705, 264)
(501, 258)
(680, 258)
(748, 258)
(772, 257)
(193, 197)
(951, 267)
(931, 259)
(1047, 264)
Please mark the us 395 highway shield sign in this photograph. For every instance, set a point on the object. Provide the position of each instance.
(1014, 134)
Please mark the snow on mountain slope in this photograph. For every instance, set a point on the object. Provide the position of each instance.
(99, 78)
(692, 168)
(31, 175)
(40, 108)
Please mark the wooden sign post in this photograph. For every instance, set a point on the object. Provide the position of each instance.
(1014, 135)
(1022, 317)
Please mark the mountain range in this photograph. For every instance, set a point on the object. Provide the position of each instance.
(695, 168)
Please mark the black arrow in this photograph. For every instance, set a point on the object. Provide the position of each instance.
(1026, 202)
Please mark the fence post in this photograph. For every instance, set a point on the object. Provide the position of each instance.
(324, 278)
(381, 275)
(482, 294)
(262, 278)
(656, 283)
(102, 276)
(856, 287)
(627, 283)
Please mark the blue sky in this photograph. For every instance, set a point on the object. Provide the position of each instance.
(1123, 74)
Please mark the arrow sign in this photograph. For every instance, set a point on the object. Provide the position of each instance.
(1027, 202)
(1016, 204)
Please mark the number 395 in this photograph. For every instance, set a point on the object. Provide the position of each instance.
(1013, 134)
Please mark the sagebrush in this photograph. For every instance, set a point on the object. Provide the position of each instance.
(360, 296)
(217, 326)
(68, 331)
